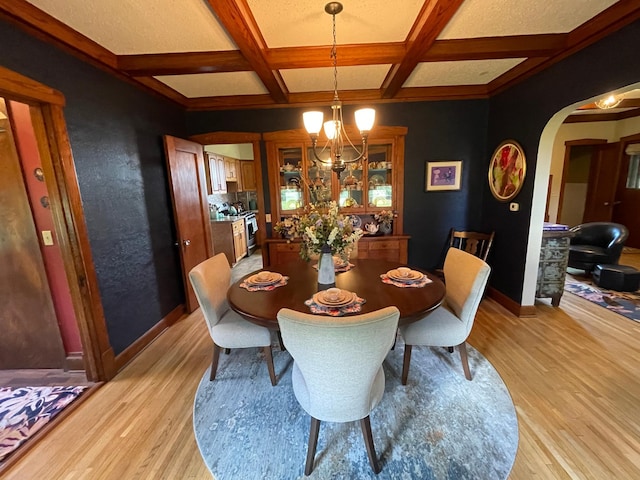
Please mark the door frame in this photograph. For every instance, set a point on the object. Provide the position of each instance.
(226, 138)
(46, 106)
(565, 167)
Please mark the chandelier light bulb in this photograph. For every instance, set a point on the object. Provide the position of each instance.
(365, 118)
(313, 121)
(331, 129)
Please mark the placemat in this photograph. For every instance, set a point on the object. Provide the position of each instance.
(354, 307)
(418, 284)
(265, 288)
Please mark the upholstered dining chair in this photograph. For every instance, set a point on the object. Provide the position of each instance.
(211, 280)
(337, 372)
(450, 324)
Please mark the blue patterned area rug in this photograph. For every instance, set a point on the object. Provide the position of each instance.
(440, 426)
(624, 303)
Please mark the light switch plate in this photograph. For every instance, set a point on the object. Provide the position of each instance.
(47, 238)
(268, 218)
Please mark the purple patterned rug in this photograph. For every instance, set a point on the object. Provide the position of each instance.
(624, 303)
(25, 410)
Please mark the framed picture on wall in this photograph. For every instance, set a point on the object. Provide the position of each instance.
(443, 175)
(507, 170)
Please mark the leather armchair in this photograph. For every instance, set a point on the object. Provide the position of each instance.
(596, 243)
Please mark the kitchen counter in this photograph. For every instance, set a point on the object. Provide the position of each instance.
(227, 218)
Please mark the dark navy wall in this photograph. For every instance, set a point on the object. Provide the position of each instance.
(451, 130)
(115, 130)
(522, 112)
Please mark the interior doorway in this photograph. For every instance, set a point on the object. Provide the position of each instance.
(589, 182)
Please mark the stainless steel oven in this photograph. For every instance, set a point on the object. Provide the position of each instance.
(251, 227)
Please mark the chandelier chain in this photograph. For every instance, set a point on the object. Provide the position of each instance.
(334, 55)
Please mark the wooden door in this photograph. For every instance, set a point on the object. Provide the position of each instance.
(187, 180)
(627, 202)
(603, 182)
(29, 337)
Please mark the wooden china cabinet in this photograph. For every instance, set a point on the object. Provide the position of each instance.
(364, 188)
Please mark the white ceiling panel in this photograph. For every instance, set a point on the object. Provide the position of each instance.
(470, 72)
(135, 27)
(321, 79)
(483, 18)
(290, 23)
(215, 84)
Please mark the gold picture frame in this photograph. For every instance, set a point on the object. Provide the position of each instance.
(507, 170)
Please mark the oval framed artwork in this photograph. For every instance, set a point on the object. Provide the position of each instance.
(507, 170)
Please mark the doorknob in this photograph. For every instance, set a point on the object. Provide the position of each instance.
(606, 204)
(186, 243)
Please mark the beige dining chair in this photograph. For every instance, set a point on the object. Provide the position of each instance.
(450, 324)
(337, 373)
(211, 280)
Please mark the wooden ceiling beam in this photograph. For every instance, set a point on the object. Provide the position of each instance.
(515, 46)
(238, 21)
(433, 17)
(615, 17)
(348, 97)
(348, 55)
(50, 29)
(183, 63)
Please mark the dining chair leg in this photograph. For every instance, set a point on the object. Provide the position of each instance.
(214, 361)
(365, 424)
(269, 359)
(313, 443)
(227, 351)
(405, 364)
(282, 347)
(450, 349)
(465, 360)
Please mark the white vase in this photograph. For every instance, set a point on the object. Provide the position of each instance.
(326, 270)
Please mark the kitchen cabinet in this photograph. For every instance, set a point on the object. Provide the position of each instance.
(247, 175)
(239, 240)
(231, 170)
(229, 237)
(364, 188)
(216, 176)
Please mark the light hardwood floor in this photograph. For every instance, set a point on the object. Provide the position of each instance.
(572, 372)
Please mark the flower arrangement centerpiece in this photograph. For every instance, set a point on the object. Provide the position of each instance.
(324, 230)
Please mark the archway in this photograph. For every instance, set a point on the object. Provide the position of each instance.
(543, 169)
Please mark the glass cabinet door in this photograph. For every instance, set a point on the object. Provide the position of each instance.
(351, 186)
(320, 180)
(291, 187)
(379, 177)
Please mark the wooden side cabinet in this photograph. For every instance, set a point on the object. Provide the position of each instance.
(391, 247)
(229, 238)
(552, 269)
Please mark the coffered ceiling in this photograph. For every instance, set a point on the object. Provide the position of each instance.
(230, 54)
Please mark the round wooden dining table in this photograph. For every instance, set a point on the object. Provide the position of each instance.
(261, 307)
